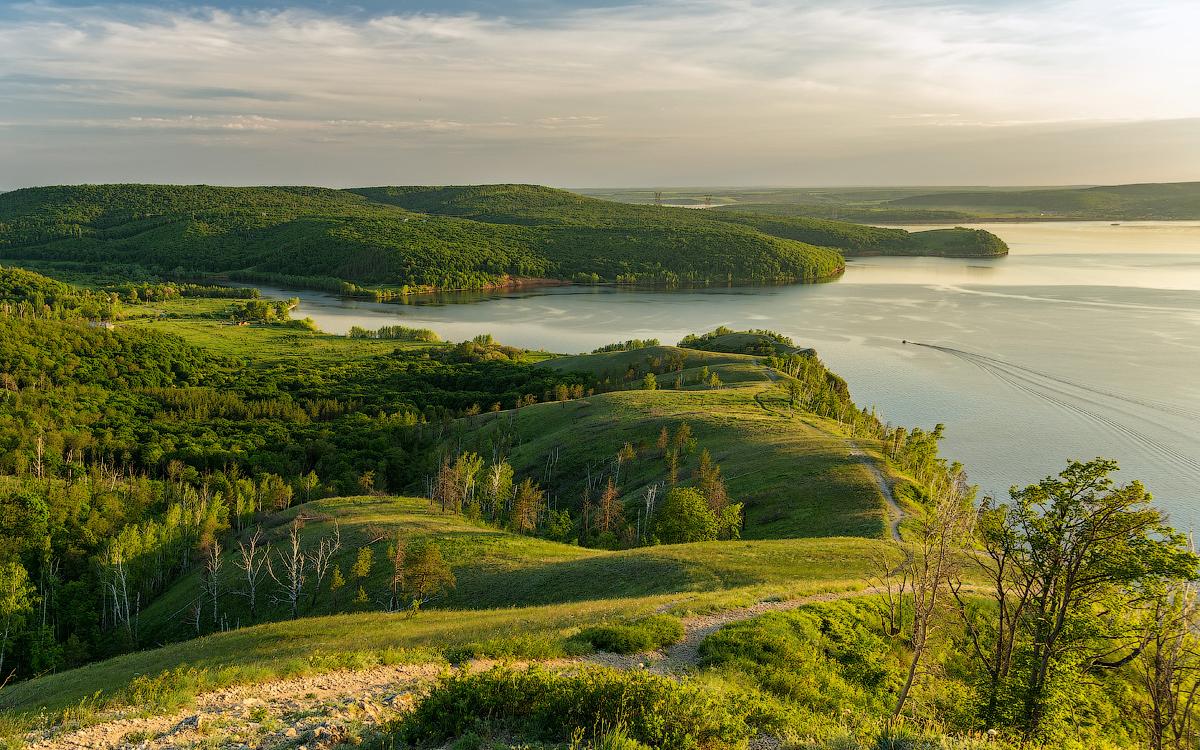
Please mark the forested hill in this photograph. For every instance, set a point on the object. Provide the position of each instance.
(1172, 200)
(332, 236)
(422, 238)
(861, 239)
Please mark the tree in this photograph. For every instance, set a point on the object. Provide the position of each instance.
(526, 506)
(932, 564)
(362, 564)
(498, 488)
(366, 482)
(309, 484)
(211, 581)
(664, 439)
(291, 568)
(252, 561)
(427, 574)
(650, 383)
(711, 485)
(683, 516)
(320, 558)
(1168, 665)
(610, 513)
(16, 601)
(336, 582)
(396, 552)
(1061, 556)
(714, 381)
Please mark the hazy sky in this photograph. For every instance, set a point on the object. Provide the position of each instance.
(674, 92)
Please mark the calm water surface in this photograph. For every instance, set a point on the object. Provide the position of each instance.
(1084, 341)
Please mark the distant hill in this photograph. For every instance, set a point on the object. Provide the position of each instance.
(467, 237)
(425, 238)
(860, 239)
(1178, 200)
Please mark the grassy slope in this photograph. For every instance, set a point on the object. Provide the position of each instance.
(794, 472)
(559, 587)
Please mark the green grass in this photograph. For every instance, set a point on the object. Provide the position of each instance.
(496, 568)
(564, 589)
(793, 472)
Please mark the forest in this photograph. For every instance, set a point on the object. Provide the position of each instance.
(387, 242)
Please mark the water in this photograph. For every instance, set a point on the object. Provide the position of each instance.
(1085, 341)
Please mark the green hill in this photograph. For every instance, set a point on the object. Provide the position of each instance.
(1179, 200)
(860, 239)
(505, 581)
(470, 237)
(795, 474)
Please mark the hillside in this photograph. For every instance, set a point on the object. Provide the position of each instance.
(1180, 200)
(451, 238)
(863, 240)
(937, 205)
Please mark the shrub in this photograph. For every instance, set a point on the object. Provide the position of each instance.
(537, 704)
(648, 634)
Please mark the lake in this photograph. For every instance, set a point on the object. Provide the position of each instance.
(1084, 341)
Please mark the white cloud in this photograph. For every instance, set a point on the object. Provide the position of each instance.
(769, 82)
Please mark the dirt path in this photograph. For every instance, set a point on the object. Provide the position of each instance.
(685, 655)
(321, 711)
(885, 487)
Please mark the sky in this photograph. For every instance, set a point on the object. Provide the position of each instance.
(600, 94)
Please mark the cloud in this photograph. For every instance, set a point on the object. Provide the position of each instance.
(660, 89)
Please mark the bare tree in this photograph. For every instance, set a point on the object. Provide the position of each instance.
(252, 561)
(396, 553)
(321, 558)
(290, 576)
(932, 568)
(1168, 663)
(211, 580)
(891, 580)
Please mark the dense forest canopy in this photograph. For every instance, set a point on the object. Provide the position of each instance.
(396, 240)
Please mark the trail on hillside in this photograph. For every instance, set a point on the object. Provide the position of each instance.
(885, 488)
(685, 655)
(322, 711)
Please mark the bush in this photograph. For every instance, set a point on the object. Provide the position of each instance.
(648, 634)
(537, 704)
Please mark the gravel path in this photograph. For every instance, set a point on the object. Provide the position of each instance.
(885, 487)
(685, 655)
(321, 711)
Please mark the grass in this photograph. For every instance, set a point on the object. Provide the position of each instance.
(793, 472)
(565, 589)
(496, 568)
